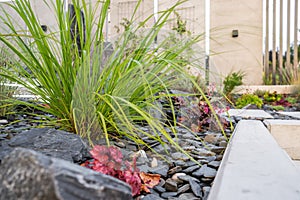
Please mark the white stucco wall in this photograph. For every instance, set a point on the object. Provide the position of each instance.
(231, 54)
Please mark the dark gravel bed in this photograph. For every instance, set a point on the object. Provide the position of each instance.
(181, 178)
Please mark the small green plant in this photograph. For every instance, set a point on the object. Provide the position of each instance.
(180, 25)
(231, 81)
(277, 107)
(276, 99)
(247, 99)
(272, 97)
(291, 100)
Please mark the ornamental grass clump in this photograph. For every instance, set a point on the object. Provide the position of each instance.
(7, 90)
(88, 94)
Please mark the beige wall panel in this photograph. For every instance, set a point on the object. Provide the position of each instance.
(231, 54)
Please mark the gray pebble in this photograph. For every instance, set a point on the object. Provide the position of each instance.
(151, 197)
(168, 194)
(191, 169)
(180, 156)
(206, 191)
(159, 189)
(183, 188)
(161, 170)
(171, 185)
(196, 188)
(188, 196)
(214, 164)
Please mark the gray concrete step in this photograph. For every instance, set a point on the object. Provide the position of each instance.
(248, 114)
(255, 167)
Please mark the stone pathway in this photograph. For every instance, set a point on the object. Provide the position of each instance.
(248, 114)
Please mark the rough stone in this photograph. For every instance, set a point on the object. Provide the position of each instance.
(142, 160)
(183, 188)
(214, 164)
(161, 170)
(144, 168)
(3, 136)
(189, 148)
(211, 158)
(151, 197)
(159, 189)
(188, 196)
(51, 142)
(162, 149)
(171, 185)
(175, 177)
(205, 171)
(186, 178)
(154, 163)
(120, 144)
(32, 175)
(191, 169)
(211, 138)
(193, 142)
(188, 136)
(203, 152)
(162, 182)
(174, 170)
(196, 188)
(4, 149)
(180, 163)
(219, 157)
(206, 180)
(206, 191)
(3, 121)
(180, 156)
(166, 195)
(190, 163)
(223, 144)
(217, 149)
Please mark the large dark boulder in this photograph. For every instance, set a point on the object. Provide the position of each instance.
(49, 141)
(26, 174)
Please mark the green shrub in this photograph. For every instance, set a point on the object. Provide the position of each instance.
(277, 108)
(291, 100)
(231, 81)
(247, 99)
(272, 97)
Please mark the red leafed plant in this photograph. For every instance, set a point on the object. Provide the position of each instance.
(108, 160)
